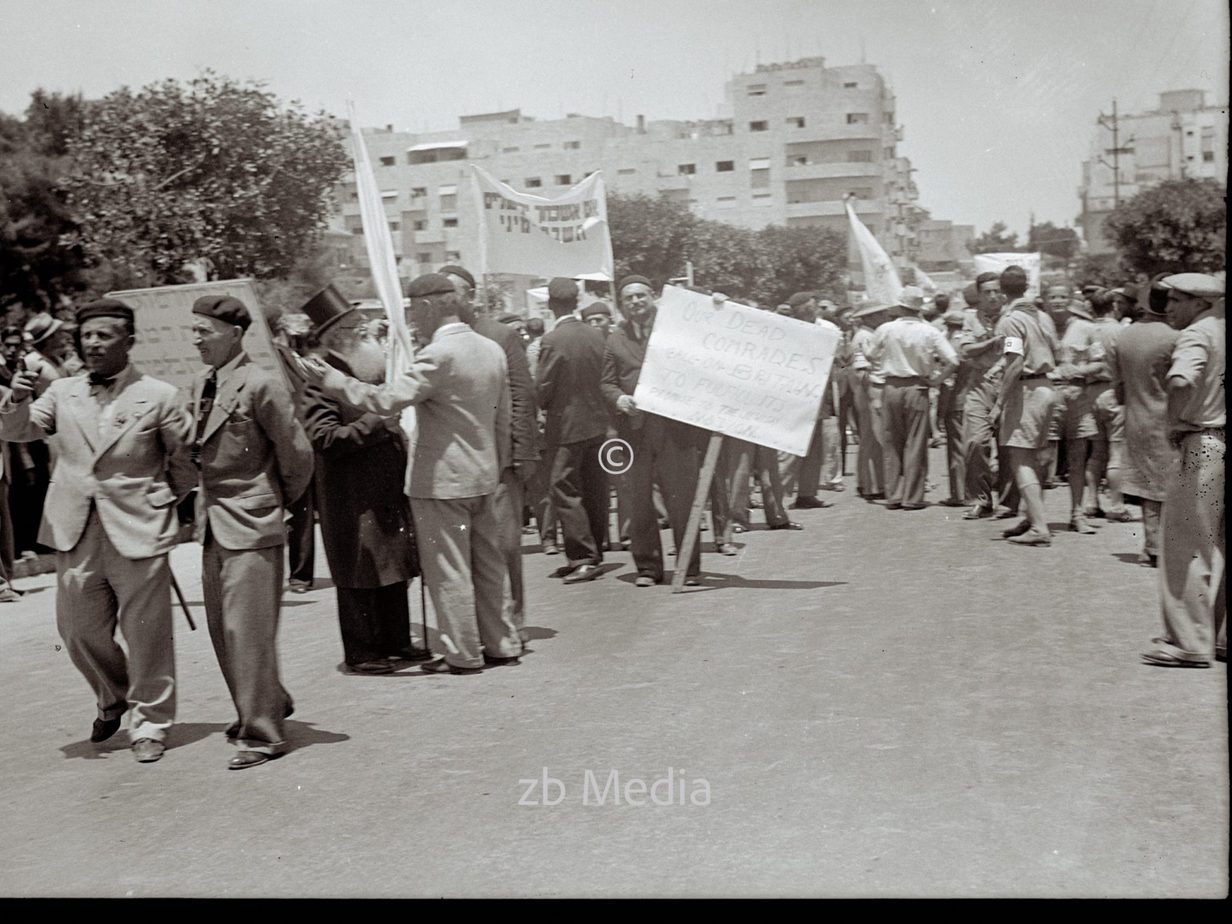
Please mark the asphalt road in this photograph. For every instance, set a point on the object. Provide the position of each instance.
(885, 704)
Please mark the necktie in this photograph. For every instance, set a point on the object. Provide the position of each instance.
(101, 381)
(208, 390)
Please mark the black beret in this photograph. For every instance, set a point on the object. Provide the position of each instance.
(595, 308)
(224, 308)
(799, 299)
(452, 269)
(104, 308)
(429, 284)
(630, 280)
(562, 289)
(510, 318)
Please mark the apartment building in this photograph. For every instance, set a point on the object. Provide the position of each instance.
(800, 136)
(1183, 137)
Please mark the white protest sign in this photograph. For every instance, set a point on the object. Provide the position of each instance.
(163, 317)
(521, 233)
(749, 374)
(997, 262)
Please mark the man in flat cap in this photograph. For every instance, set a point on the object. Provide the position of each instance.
(1138, 360)
(914, 356)
(664, 451)
(569, 376)
(255, 461)
(524, 452)
(599, 316)
(1192, 580)
(459, 386)
(119, 443)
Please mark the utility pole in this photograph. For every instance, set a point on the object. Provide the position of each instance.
(1111, 123)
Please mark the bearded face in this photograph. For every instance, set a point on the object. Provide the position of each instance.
(364, 355)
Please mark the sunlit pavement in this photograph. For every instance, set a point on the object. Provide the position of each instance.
(885, 704)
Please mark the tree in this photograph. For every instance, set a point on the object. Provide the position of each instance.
(997, 239)
(215, 173)
(802, 259)
(649, 235)
(1178, 226)
(1048, 239)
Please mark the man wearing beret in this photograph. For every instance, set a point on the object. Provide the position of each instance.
(570, 370)
(1192, 584)
(459, 386)
(255, 461)
(664, 451)
(119, 442)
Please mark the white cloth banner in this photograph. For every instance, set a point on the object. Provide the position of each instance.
(746, 373)
(997, 262)
(524, 234)
(881, 282)
(380, 246)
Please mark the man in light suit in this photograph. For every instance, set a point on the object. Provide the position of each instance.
(459, 386)
(120, 445)
(255, 461)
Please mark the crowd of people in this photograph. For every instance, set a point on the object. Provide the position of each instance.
(1116, 394)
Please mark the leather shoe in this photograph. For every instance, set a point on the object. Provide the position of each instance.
(914, 506)
(1004, 513)
(977, 513)
(1078, 524)
(788, 525)
(810, 503)
(1016, 530)
(645, 580)
(410, 653)
(832, 487)
(953, 502)
(245, 759)
(894, 506)
(494, 661)
(562, 571)
(1160, 658)
(1032, 537)
(692, 582)
(728, 548)
(582, 573)
(441, 666)
(147, 750)
(299, 587)
(372, 667)
(1119, 516)
(737, 528)
(1147, 560)
(105, 728)
(551, 550)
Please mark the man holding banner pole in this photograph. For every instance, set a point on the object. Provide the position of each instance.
(664, 450)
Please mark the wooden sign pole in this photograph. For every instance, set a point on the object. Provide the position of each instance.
(691, 534)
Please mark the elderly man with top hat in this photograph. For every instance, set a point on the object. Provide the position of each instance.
(1138, 361)
(665, 451)
(366, 525)
(569, 375)
(1192, 580)
(914, 356)
(867, 385)
(459, 386)
(119, 443)
(255, 461)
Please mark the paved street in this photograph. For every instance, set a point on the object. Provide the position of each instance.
(887, 704)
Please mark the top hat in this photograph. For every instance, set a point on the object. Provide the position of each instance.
(326, 309)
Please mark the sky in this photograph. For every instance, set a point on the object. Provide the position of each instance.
(998, 98)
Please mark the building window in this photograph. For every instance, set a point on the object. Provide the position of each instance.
(889, 118)
(563, 179)
(851, 85)
(859, 157)
(1208, 157)
(795, 121)
(423, 257)
(449, 222)
(626, 171)
(354, 195)
(797, 160)
(572, 145)
(452, 256)
(759, 126)
(420, 225)
(759, 163)
(387, 161)
(418, 192)
(725, 202)
(857, 118)
(512, 150)
(888, 153)
(757, 89)
(793, 83)
(388, 194)
(724, 166)
(532, 182)
(759, 179)
(357, 229)
(862, 192)
(542, 147)
(686, 169)
(395, 226)
(762, 198)
(449, 198)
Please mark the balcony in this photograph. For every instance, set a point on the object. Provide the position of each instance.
(831, 170)
(830, 207)
(430, 236)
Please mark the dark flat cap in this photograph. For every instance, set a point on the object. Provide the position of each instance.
(630, 280)
(595, 308)
(510, 318)
(224, 308)
(452, 269)
(562, 289)
(104, 308)
(800, 298)
(429, 284)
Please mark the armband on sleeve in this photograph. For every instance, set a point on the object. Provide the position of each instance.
(1014, 345)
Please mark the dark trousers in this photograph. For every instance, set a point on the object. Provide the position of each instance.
(6, 533)
(729, 491)
(950, 415)
(580, 498)
(905, 408)
(770, 479)
(301, 538)
(375, 621)
(539, 496)
(664, 452)
(846, 417)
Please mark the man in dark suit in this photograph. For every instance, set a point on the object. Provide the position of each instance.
(523, 451)
(569, 374)
(459, 386)
(121, 464)
(664, 451)
(255, 461)
(366, 523)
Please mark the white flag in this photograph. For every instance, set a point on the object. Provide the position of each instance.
(923, 280)
(380, 246)
(881, 282)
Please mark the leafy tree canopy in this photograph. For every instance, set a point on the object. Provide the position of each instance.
(1178, 226)
(997, 239)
